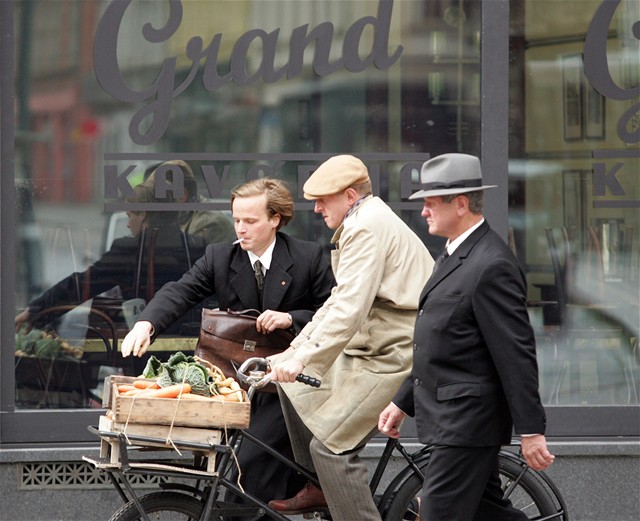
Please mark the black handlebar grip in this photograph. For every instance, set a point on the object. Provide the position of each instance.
(308, 380)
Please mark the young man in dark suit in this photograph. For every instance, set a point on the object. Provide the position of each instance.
(475, 374)
(296, 280)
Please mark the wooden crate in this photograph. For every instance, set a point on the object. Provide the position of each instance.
(158, 436)
(177, 413)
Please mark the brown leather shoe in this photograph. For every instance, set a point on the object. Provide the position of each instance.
(309, 499)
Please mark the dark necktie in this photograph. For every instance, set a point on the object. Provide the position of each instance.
(440, 260)
(257, 268)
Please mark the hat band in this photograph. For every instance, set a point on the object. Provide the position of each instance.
(462, 183)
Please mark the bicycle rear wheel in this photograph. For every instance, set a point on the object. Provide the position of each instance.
(526, 490)
(162, 506)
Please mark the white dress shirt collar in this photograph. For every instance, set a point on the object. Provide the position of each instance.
(265, 258)
(453, 245)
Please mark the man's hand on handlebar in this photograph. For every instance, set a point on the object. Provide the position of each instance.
(286, 371)
(138, 339)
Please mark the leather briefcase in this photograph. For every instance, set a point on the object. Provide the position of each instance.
(228, 338)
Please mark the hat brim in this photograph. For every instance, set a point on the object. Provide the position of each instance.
(448, 191)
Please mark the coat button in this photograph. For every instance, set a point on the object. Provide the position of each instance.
(421, 312)
(416, 381)
(415, 347)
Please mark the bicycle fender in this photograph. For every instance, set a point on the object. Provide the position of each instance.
(420, 459)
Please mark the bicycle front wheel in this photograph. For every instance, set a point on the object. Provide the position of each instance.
(162, 506)
(526, 490)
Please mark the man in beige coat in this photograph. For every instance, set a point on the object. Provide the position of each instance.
(359, 344)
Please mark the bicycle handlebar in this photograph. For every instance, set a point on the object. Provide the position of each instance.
(308, 380)
(259, 379)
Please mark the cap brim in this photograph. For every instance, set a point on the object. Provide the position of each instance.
(448, 191)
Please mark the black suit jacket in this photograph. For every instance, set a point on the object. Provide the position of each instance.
(298, 282)
(475, 373)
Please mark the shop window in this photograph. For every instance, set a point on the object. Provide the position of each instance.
(574, 195)
(392, 82)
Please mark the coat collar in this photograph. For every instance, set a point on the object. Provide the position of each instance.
(455, 259)
(354, 210)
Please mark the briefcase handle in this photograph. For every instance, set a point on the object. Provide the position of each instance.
(253, 313)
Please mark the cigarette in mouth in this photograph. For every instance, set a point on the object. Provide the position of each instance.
(238, 241)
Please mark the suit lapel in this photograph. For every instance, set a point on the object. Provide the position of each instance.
(243, 280)
(278, 279)
(446, 268)
(454, 260)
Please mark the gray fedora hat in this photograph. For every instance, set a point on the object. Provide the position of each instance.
(450, 174)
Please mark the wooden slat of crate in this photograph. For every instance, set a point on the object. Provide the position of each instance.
(180, 413)
(111, 380)
(178, 435)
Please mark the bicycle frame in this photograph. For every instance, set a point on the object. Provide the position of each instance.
(213, 484)
(218, 481)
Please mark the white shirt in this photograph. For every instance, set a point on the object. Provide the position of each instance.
(265, 258)
(453, 245)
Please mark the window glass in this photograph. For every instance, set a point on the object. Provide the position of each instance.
(106, 91)
(574, 193)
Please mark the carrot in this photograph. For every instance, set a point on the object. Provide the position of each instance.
(146, 384)
(125, 387)
(133, 392)
(171, 391)
(191, 396)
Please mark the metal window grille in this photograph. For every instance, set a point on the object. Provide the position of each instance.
(73, 475)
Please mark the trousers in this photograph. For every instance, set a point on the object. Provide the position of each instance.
(463, 484)
(343, 477)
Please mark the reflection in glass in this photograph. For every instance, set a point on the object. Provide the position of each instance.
(69, 128)
(574, 200)
(82, 313)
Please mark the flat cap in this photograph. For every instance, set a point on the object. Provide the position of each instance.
(335, 175)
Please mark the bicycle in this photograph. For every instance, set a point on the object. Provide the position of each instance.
(531, 491)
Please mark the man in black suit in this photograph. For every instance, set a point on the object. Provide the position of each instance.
(474, 373)
(296, 280)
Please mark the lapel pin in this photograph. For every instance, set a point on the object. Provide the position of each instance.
(283, 283)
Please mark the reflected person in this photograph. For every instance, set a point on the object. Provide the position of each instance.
(213, 226)
(156, 243)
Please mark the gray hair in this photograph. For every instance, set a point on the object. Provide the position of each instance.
(475, 198)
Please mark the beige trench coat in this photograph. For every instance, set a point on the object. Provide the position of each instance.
(360, 342)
